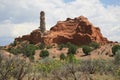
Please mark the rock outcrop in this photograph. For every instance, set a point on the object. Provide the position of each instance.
(78, 31)
(34, 37)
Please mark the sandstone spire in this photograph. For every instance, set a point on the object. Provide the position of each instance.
(42, 22)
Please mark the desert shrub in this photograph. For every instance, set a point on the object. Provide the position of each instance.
(97, 66)
(44, 53)
(117, 58)
(42, 46)
(110, 67)
(118, 73)
(14, 43)
(69, 71)
(1, 47)
(115, 49)
(71, 48)
(102, 66)
(29, 50)
(47, 65)
(71, 58)
(86, 50)
(54, 57)
(62, 56)
(21, 68)
(87, 66)
(61, 46)
(68, 44)
(13, 67)
(15, 51)
(49, 46)
(95, 45)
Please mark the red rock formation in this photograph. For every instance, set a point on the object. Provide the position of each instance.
(78, 31)
(34, 37)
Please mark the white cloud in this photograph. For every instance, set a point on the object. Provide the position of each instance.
(21, 17)
(14, 30)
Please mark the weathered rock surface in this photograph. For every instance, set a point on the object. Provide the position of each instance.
(34, 37)
(78, 31)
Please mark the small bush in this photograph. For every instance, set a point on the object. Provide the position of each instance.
(15, 51)
(115, 49)
(117, 57)
(71, 48)
(47, 65)
(29, 50)
(49, 46)
(42, 46)
(13, 67)
(87, 66)
(62, 56)
(1, 47)
(61, 46)
(44, 53)
(71, 58)
(94, 45)
(86, 50)
(13, 44)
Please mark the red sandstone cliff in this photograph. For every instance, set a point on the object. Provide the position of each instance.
(78, 31)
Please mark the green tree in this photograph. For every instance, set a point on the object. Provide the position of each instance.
(95, 45)
(44, 53)
(86, 50)
(115, 49)
(62, 56)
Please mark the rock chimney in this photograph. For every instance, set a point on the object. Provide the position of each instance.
(42, 22)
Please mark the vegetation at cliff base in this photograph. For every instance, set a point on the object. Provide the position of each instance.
(44, 53)
(86, 50)
(115, 49)
(28, 50)
(62, 56)
(94, 45)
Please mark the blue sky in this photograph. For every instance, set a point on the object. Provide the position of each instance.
(20, 17)
(105, 2)
(110, 2)
(68, 1)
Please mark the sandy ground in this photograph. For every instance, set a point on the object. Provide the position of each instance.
(104, 52)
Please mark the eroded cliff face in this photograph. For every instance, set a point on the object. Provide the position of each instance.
(78, 31)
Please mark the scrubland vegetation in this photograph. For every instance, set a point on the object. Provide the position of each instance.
(67, 68)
